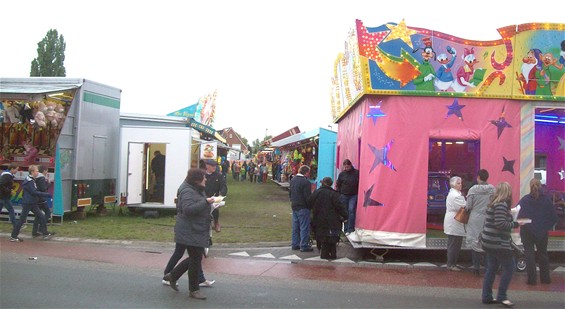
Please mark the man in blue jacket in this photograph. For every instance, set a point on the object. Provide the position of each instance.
(300, 191)
(30, 200)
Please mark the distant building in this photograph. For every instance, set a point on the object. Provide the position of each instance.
(235, 143)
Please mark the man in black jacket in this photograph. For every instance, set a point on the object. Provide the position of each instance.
(300, 191)
(328, 215)
(6, 186)
(43, 186)
(347, 184)
(215, 186)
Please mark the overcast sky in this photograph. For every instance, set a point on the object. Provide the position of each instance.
(271, 61)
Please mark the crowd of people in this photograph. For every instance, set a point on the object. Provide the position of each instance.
(35, 198)
(488, 232)
(327, 213)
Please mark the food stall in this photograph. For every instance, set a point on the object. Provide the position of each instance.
(315, 148)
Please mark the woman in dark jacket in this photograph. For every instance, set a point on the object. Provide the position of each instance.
(539, 208)
(192, 229)
(329, 214)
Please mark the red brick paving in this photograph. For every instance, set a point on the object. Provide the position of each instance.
(406, 276)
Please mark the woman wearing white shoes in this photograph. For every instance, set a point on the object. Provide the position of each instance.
(192, 230)
(497, 243)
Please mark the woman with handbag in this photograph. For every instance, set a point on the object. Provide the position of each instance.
(497, 243)
(478, 198)
(454, 229)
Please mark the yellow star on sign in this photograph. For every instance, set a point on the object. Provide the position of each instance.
(400, 32)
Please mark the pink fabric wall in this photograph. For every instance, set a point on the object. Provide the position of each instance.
(409, 123)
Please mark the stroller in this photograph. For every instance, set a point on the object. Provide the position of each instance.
(520, 257)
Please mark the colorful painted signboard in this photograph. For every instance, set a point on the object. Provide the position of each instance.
(526, 63)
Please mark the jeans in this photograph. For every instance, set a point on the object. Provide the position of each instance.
(350, 201)
(23, 218)
(301, 228)
(47, 213)
(453, 248)
(504, 258)
(193, 263)
(7, 202)
(529, 241)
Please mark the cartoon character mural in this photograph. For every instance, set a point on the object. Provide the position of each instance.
(427, 71)
(465, 73)
(530, 67)
(444, 75)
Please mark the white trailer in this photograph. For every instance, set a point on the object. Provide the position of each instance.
(140, 137)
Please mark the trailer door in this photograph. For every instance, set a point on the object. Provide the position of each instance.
(135, 173)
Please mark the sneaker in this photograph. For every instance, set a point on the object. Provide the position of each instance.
(16, 239)
(453, 268)
(172, 283)
(310, 249)
(207, 283)
(47, 236)
(167, 283)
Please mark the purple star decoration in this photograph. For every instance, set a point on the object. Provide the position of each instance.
(501, 123)
(381, 156)
(455, 109)
(368, 201)
(508, 165)
(375, 112)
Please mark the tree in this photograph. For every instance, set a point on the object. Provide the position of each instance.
(50, 56)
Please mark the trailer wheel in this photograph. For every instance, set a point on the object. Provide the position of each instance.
(521, 263)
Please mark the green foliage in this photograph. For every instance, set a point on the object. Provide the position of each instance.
(50, 56)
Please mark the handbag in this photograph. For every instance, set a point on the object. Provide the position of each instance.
(462, 215)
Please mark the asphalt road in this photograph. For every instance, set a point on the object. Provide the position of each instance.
(53, 282)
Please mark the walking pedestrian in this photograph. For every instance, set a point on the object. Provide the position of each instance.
(30, 199)
(539, 208)
(347, 184)
(328, 215)
(215, 186)
(454, 229)
(478, 198)
(6, 187)
(192, 230)
(497, 243)
(44, 204)
(300, 191)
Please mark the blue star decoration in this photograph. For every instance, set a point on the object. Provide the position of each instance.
(561, 174)
(455, 109)
(368, 201)
(508, 165)
(381, 156)
(500, 124)
(375, 112)
(561, 143)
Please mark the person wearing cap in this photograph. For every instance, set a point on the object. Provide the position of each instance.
(215, 186)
